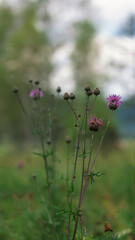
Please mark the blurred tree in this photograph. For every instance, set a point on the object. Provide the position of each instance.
(25, 53)
(83, 55)
(128, 27)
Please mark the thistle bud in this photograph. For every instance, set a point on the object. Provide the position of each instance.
(34, 176)
(37, 82)
(89, 93)
(72, 96)
(96, 91)
(68, 140)
(87, 88)
(15, 89)
(66, 96)
(48, 141)
(58, 90)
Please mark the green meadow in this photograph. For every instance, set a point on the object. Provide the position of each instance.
(23, 195)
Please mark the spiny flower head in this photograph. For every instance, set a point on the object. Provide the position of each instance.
(94, 123)
(114, 101)
(36, 94)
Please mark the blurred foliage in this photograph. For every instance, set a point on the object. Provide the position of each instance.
(83, 55)
(110, 198)
(25, 53)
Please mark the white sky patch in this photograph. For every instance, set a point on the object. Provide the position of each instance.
(113, 12)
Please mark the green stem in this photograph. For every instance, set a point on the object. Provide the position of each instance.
(67, 179)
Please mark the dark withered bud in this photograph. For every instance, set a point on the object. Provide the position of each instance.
(72, 96)
(68, 140)
(89, 93)
(58, 90)
(79, 115)
(96, 91)
(87, 88)
(76, 125)
(66, 96)
(37, 82)
(34, 176)
(48, 141)
(15, 89)
(30, 81)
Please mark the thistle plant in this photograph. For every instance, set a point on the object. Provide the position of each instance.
(86, 126)
(92, 124)
(45, 133)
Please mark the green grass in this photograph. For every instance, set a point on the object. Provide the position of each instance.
(110, 199)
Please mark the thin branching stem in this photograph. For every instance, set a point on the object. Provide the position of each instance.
(91, 150)
(46, 165)
(67, 178)
(100, 144)
(101, 141)
(21, 104)
(83, 162)
(72, 109)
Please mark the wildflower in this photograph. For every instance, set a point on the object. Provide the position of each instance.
(108, 227)
(34, 176)
(94, 123)
(66, 96)
(37, 82)
(20, 165)
(96, 91)
(58, 90)
(68, 140)
(87, 88)
(114, 101)
(89, 93)
(36, 94)
(15, 89)
(48, 141)
(72, 96)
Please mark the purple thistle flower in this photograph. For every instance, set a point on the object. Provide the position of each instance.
(36, 94)
(114, 101)
(20, 165)
(94, 123)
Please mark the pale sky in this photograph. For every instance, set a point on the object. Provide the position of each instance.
(113, 12)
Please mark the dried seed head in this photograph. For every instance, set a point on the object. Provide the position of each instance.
(68, 140)
(96, 91)
(30, 81)
(89, 93)
(15, 89)
(37, 82)
(72, 96)
(58, 90)
(76, 125)
(87, 88)
(79, 115)
(66, 96)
